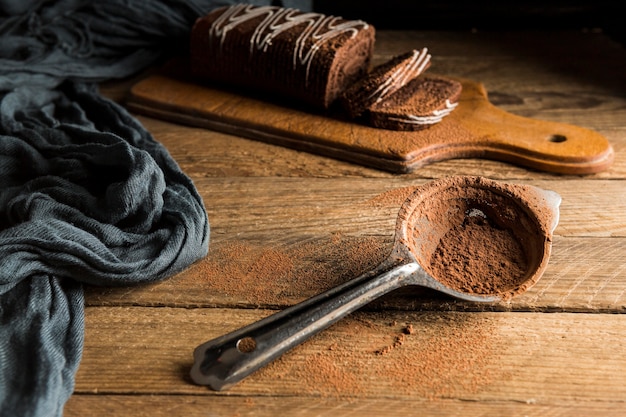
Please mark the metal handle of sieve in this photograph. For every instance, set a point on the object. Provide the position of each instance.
(226, 360)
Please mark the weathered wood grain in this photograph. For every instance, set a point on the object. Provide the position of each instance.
(269, 406)
(263, 406)
(544, 359)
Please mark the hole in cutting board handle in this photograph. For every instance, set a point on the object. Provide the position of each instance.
(556, 138)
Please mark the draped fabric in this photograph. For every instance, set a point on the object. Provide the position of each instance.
(86, 193)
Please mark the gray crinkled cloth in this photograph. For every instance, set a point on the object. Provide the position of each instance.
(86, 194)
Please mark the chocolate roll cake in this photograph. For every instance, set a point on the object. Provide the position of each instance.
(309, 57)
(424, 101)
(384, 80)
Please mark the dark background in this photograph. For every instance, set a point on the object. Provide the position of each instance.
(484, 15)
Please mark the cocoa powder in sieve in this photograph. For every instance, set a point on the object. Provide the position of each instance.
(478, 236)
(478, 257)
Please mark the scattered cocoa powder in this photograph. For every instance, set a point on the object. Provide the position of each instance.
(465, 235)
(247, 344)
(392, 198)
(446, 355)
(326, 377)
(283, 275)
(449, 355)
(399, 339)
(468, 233)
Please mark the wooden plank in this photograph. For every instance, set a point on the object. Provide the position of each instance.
(560, 360)
(256, 207)
(262, 406)
(561, 80)
(584, 275)
(299, 242)
(484, 14)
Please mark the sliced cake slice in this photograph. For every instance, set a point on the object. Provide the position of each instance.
(383, 81)
(424, 101)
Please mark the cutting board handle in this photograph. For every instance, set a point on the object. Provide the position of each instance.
(494, 133)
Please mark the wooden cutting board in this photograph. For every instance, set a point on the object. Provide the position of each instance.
(475, 129)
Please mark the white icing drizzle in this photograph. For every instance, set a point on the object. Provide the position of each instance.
(402, 75)
(319, 29)
(435, 117)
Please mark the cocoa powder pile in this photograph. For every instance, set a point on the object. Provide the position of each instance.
(478, 257)
(477, 236)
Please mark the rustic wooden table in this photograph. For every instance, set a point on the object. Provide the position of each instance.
(286, 225)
